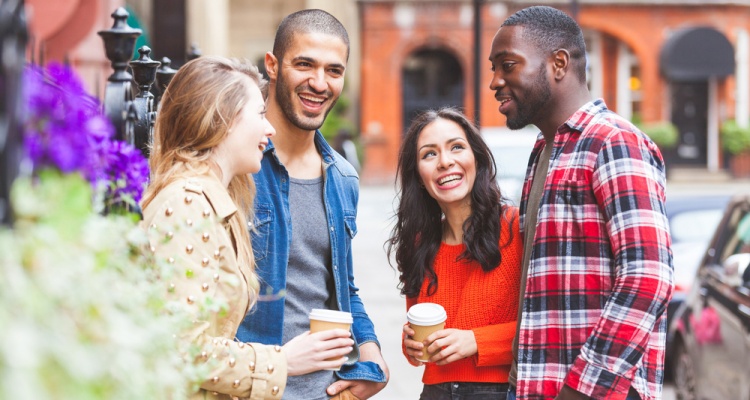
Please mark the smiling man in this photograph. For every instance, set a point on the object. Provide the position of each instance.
(305, 213)
(597, 265)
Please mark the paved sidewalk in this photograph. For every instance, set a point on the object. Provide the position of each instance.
(377, 282)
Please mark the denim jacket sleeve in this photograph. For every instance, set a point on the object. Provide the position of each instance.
(363, 329)
(271, 235)
(342, 196)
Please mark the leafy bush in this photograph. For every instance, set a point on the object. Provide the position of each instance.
(82, 310)
(337, 120)
(734, 138)
(663, 133)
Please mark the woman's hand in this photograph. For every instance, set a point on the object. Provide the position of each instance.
(452, 344)
(413, 348)
(308, 352)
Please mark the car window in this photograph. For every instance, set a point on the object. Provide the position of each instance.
(736, 241)
(511, 161)
(742, 238)
(511, 151)
(694, 225)
(737, 235)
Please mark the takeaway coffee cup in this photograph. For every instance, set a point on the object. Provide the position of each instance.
(323, 320)
(424, 319)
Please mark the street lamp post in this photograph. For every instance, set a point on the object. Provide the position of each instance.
(477, 59)
(13, 38)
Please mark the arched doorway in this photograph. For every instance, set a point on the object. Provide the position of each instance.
(432, 78)
(694, 60)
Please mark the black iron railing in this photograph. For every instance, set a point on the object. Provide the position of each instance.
(13, 39)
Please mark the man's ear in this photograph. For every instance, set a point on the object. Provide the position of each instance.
(272, 65)
(560, 63)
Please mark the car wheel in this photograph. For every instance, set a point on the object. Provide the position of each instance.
(684, 374)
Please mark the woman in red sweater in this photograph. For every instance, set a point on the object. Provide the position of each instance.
(457, 244)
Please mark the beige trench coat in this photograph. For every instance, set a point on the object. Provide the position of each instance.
(187, 225)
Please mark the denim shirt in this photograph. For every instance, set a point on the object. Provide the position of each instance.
(271, 236)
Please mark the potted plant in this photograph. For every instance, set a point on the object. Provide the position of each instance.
(735, 140)
(663, 133)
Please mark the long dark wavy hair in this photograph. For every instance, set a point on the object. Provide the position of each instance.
(418, 232)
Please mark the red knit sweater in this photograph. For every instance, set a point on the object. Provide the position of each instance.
(485, 302)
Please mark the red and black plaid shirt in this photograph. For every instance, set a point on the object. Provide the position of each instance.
(600, 275)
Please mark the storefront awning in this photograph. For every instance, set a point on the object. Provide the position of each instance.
(696, 54)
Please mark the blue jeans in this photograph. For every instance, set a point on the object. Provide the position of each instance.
(465, 391)
(632, 394)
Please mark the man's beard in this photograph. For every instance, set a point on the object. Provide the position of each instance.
(538, 97)
(284, 97)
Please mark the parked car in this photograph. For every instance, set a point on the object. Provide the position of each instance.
(511, 150)
(692, 222)
(711, 330)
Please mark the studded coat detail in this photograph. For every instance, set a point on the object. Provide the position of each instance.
(188, 226)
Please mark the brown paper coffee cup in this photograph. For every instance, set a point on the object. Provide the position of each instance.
(323, 320)
(424, 319)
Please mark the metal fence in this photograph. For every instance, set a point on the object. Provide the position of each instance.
(13, 39)
(131, 95)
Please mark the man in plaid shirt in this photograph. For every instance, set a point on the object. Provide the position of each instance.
(597, 270)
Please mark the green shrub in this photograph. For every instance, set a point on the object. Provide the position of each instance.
(337, 120)
(734, 138)
(663, 133)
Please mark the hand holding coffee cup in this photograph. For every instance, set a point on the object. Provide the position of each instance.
(425, 319)
(308, 352)
(324, 320)
(413, 348)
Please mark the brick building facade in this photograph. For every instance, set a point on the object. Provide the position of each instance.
(409, 55)
(680, 61)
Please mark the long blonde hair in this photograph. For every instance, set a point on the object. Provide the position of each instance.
(196, 111)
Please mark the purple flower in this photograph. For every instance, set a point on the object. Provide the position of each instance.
(65, 130)
(127, 173)
(58, 129)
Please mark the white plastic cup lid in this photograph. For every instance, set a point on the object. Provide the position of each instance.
(426, 314)
(320, 314)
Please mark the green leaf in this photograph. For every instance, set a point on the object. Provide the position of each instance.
(734, 138)
(663, 133)
(62, 202)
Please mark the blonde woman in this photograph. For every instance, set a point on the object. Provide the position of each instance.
(210, 134)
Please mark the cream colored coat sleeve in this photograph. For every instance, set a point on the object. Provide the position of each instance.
(186, 225)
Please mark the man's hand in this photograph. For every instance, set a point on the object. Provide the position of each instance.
(364, 389)
(568, 393)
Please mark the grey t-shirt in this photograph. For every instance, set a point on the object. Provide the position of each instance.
(309, 283)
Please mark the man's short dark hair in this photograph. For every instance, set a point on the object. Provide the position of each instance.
(550, 29)
(307, 21)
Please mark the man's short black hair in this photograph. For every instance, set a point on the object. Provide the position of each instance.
(307, 21)
(550, 29)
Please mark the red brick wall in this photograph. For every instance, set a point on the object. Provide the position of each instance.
(644, 28)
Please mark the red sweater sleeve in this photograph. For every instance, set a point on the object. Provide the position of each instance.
(494, 342)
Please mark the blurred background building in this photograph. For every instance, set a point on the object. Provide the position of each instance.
(682, 64)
